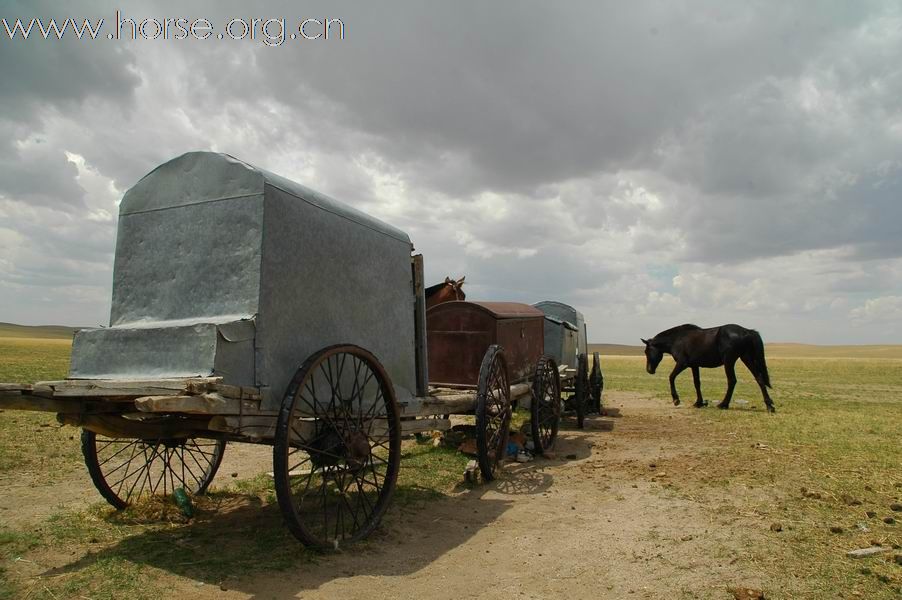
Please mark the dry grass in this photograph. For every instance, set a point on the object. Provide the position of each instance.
(836, 434)
(828, 457)
(32, 444)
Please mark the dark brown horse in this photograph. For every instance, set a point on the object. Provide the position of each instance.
(446, 291)
(693, 347)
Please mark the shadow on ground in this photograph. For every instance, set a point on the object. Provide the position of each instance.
(237, 540)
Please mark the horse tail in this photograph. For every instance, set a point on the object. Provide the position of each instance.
(758, 357)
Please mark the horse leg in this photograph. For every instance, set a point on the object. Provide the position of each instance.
(750, 365)
(730, 367)
(673, 375)
(699, 401)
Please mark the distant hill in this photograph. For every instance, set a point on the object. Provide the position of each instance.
(47, 332)
(851, 351)
(780, 350)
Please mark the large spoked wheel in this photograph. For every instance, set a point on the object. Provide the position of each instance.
(337, 448)
(581, 390)
(124, 469)
(596, 384)
(493, 411)
(545, 408)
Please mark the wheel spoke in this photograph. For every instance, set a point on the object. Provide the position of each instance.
(126, 469)
(344, 493)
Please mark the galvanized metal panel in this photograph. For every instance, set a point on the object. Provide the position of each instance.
(458, 334)
(208, 243)
(561, 339)
(190, 262)
(328, 280)
(565, 312)
(195, 350)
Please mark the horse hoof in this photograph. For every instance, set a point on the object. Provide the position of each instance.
(771, 409)
(723, 406)
(700, 404)
(676, 401)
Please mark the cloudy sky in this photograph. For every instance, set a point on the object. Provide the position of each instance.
(651, 163)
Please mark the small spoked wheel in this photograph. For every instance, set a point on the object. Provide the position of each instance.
(596, 384)
(124, 469)
(581, 390)
(545, 407)
(493, 411)
(337, 448)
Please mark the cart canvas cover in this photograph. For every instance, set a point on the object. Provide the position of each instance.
(224, 269)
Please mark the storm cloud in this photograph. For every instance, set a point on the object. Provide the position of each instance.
(651, 163)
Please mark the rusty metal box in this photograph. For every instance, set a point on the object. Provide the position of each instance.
(458, 334)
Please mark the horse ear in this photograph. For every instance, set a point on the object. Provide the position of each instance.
(644, 341)
(447, 280)
(461, 280)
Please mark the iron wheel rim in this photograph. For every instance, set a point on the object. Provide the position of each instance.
(493, 411)
(335, 469)
(125, 469)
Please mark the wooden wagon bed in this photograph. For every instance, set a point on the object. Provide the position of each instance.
(206, 404)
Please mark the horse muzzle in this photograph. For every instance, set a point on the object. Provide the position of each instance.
(650, 369)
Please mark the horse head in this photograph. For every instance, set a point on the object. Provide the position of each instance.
(653, 355)
(457, 287)
(446, 291)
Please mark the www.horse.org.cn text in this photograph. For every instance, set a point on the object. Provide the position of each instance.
(268, 31)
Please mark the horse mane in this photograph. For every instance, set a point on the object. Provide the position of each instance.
(432, 289)
(668, 334)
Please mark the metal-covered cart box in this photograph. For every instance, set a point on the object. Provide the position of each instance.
(563, 313)
(561, 340)
(458, 334)
(224, 269)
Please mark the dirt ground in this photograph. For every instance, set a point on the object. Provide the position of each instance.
(610, 516)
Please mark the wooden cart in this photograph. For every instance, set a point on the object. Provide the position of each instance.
(249, 308)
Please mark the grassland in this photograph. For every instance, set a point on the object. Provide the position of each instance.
(828, 458)
(827, 467)
(36, 332)
(32, 442)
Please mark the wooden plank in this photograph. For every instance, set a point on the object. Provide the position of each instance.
(263, 427)
(10, 401)
(452, 404)
(14, 387)
(519, 390)
(256, 427)
(420, 425)
(236, 391)
(117, 387)
(202, 404)
(117, 426)
(457, 403)
(443, 392)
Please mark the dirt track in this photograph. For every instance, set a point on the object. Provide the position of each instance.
(605, 524)
(614, 515)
